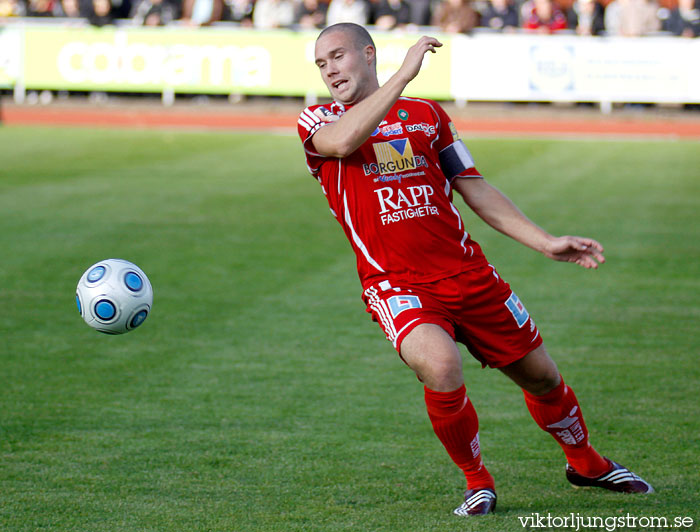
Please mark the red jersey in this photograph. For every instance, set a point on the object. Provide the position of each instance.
(556, 22)
(392, 198)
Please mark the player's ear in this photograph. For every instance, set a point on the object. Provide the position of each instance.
(370, 54)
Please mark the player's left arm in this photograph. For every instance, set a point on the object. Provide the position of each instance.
(497, 210)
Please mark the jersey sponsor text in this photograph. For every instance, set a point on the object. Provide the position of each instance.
(400, 204)
(394, 156)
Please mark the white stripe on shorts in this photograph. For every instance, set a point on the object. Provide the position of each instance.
(378, 306)
(402, 330)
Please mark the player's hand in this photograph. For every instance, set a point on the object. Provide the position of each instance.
(414, 57)
(325, 115)
(585, 252)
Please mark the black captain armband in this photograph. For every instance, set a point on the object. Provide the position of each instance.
(455, 159)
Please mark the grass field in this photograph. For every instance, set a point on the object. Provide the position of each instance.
(258, 396)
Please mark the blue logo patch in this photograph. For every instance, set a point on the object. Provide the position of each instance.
(397, 304)
(517, 309)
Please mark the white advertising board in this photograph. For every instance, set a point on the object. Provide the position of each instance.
(10, 55)
(483, 66)
(571, 68)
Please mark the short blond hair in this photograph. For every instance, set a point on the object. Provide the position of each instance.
(360, 35)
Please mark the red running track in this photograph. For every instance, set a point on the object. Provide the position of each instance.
(131, 117)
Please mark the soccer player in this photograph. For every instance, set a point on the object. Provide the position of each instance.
(388, 166)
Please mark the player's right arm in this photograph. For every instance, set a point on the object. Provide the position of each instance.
(497, 210)
(342, 137)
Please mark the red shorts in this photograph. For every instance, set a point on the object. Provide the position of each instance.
(477, 308)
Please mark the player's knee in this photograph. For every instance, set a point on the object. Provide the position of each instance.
(543, 384)
(536, 372)
(433, 355)
(442, 374)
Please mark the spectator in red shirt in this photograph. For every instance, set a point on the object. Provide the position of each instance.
(543, 16)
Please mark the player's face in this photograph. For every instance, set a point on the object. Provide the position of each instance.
(346, 70)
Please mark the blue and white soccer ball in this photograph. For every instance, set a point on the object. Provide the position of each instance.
(114, 296)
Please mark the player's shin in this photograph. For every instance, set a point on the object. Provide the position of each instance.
(456, 425)
(559, 413)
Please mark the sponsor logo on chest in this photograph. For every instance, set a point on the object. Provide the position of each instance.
(394, 156)
(428, 129)
(398, 204)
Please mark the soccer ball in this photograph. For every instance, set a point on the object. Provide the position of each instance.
(114, 296)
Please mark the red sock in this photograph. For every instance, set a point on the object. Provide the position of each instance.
(559, 413)
(456, 425)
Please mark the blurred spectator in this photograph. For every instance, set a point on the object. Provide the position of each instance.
(240, 11)
(631, 18)
(154, 13)
(268, 14)
(202, 12)
(455, 16)
(69, 9)
(588, 17)
(684, 20)
(12, 8)
(40, 8)
(311, 14)
(121, 8)
(500, 15)
(420, 12)
(389, 14)
(101, 13)
(543, 16)
(356, 11)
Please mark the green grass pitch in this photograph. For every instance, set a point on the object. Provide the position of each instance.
(258, 396)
